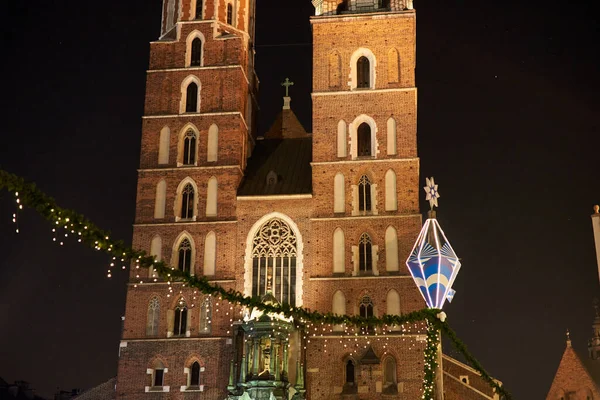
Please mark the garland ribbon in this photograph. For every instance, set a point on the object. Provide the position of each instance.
(29, 195)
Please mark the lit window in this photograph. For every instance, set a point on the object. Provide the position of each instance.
(187, 202)
(364, 194)
(274, 260)
(185, 256)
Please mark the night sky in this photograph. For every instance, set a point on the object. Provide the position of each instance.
(507, 124)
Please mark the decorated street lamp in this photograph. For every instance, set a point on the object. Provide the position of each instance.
(433, 265)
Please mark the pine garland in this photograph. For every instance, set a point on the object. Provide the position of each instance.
(88, 233)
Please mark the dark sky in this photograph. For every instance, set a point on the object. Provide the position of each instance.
(508, 125)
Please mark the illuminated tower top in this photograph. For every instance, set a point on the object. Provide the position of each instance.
(333, 7)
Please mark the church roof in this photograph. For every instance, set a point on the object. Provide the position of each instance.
(278, 166)
(575, 373)
(104, 391)
(286, 125)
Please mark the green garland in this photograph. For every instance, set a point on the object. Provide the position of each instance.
(29, 195)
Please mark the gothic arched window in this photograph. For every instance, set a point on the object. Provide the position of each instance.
(363, 72)
(364, 140)
(191, 98)
(229, 14)
(180, 320)
(366, 311)
(365, 254)
(184, 262)
(189, 148)
(364, 194)
(195, 60)
(274, 261)
(187, 202)
(350, 372)
(195, 374)
(153, 317)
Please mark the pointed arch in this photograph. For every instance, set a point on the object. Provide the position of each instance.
(338, 307)
(393, 303)
(184, 253)
(339, 252)
(194, 55)
(180, 321)
(339, 193)
(195, 374)
(335, 69)
(190, 95)
(391, 250)
(393, 62)
(210, 254)
(390, 377)
(187, 153)
(341, 139)
(156, 252)
(363, 69)
(365, 253)
(363, 143)
(211, 197)
(391, 196)
(391, 136)
(288, 247)
(212, 150)
(364, 194)
(163, 145)
(186, 202)
(160, 199)
(153, 317)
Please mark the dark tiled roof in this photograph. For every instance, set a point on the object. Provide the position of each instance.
(286, 125)
(104, 391)
(592, 366)
(289, 159)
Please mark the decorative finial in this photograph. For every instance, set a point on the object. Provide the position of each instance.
(596, 209)
(287, 83)
(568, 338)
(432, 192)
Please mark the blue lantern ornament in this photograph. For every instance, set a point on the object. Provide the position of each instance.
(433, 263)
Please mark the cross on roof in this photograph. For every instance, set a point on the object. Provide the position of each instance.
(287, 83)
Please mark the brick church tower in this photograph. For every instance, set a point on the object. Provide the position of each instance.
(322, 220)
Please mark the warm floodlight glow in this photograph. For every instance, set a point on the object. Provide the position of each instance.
(433, 265)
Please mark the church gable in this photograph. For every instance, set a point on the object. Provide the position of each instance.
(573, 381)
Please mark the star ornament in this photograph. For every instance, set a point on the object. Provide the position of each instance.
(432, 192)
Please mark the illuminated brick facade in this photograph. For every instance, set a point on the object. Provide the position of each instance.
(252, 214)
